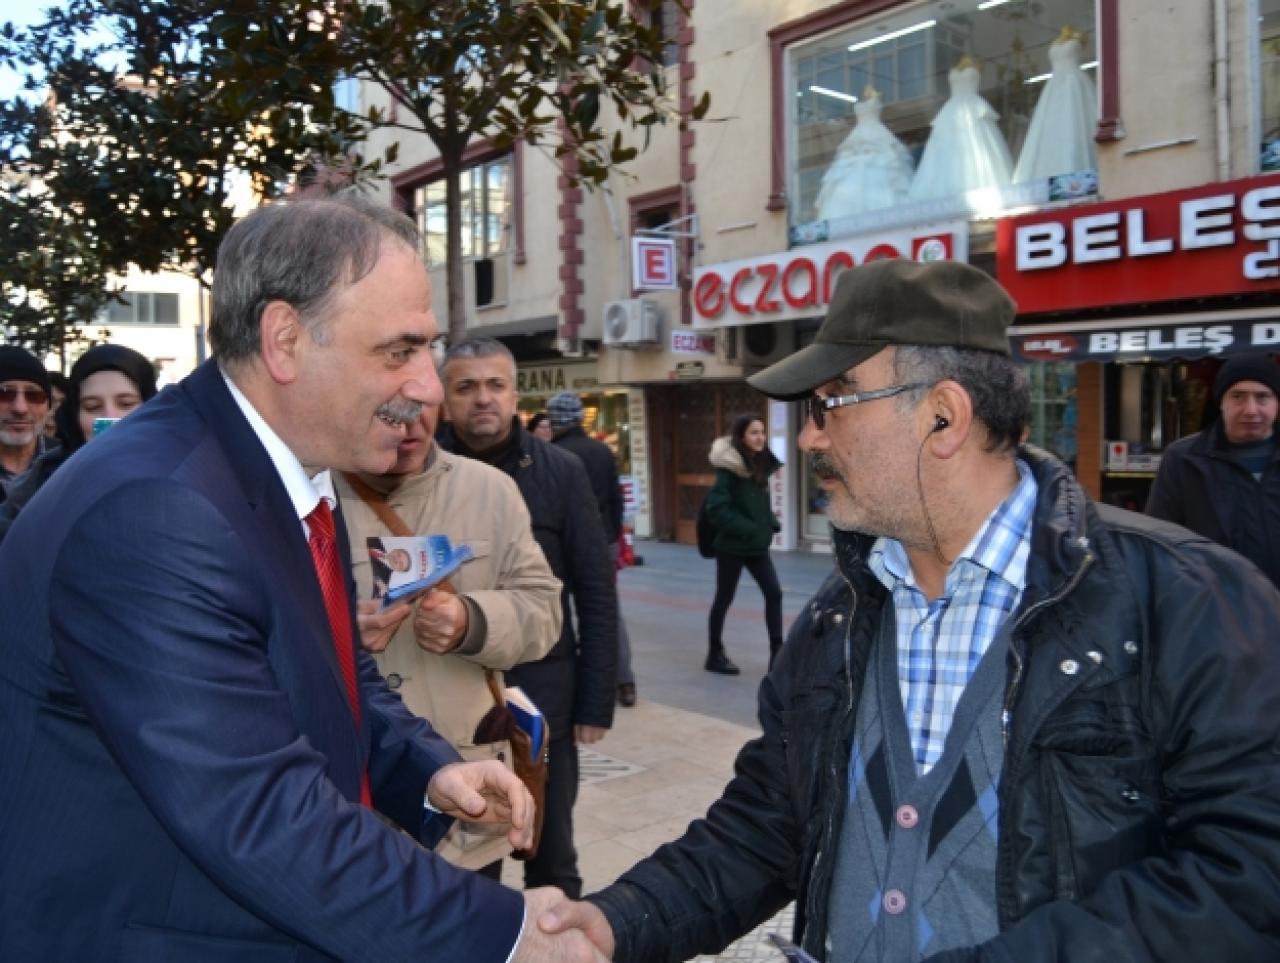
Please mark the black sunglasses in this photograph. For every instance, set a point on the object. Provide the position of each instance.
(34, 396)
(819, 406)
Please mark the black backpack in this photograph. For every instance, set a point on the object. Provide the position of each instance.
(706, 532)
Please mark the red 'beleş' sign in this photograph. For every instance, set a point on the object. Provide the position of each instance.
(1217, 239)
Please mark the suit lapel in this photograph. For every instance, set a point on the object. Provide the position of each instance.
(280, 537)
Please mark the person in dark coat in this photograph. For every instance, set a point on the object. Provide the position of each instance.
(1224, 482)
(107, 381)
(742, 516)
(574, 684)
(564, 415)
(1014, 725)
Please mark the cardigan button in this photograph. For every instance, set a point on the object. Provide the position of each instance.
(895, 901)
(908, 817)
(1069, 666)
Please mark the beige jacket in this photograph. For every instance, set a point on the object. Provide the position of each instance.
(512, 598)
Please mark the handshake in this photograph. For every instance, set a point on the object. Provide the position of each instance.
(560, 930)
(556, 929)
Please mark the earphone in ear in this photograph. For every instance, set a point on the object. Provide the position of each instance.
(939, 423)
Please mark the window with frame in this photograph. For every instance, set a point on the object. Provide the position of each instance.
(665, 16)
(927, 110)
(141, 307)
(486, 211)
(1269, 82)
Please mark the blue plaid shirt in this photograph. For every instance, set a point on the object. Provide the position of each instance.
(940, 643)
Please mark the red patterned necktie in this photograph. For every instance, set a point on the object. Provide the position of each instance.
(324, 552)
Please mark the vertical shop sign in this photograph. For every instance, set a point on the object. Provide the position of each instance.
(653, 263)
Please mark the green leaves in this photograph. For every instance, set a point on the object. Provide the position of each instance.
(163, 109)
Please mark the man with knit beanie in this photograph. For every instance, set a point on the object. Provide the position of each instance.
(1224, 482)
(24, 405)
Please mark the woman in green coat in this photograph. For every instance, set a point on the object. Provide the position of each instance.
(738, 506)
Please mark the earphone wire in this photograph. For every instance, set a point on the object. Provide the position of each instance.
(924, 504)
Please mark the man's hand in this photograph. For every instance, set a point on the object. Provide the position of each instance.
(378, 625)
(566, 916)
(440, 621)
(564, 944)
(484, 792)
(586, 735)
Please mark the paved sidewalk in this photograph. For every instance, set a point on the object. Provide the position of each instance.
(668, 758)
(657, 770)
(666, 601)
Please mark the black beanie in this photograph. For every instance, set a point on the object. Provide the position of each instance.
(1246, 367)
(101, 357)
(19, 364)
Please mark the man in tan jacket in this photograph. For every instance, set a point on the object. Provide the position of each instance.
(435, 650)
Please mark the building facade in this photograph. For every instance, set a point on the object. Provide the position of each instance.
(1110, 163)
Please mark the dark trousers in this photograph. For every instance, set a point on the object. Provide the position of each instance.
(557, 861)
(728, 571)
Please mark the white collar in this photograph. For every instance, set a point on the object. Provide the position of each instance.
(305, 492)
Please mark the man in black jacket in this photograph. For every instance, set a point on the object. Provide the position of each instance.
(564, 414)
(1224, 482)
(1014, 726)
(574, 684)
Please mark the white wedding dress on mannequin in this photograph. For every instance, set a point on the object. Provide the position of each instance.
(871, 170)
(1060, 138)
(966, 150)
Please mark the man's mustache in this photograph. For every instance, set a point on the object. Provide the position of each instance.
(823, 466)
(402, 411)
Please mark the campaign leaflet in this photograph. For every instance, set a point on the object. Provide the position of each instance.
(529, 718)
(406, 566)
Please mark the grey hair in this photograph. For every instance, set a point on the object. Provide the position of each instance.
(302, 253)
(477, 348)
(996, 384)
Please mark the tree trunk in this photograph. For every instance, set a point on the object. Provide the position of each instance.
(455, 278)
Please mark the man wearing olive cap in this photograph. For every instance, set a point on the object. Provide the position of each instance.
(1013, 725)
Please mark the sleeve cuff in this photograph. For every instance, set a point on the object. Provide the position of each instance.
(477, 629)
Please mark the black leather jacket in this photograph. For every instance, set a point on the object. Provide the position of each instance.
(1140, 794)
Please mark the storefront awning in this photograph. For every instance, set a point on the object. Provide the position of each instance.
(1152, 337)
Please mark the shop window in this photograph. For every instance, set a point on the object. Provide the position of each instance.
(666, 17)
(1269, 69)
(606, 417)
(941, 111)
(1053, 409)
(486, 192)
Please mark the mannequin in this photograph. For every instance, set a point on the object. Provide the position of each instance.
(1060, 138)
(966, 150)
(871, 170)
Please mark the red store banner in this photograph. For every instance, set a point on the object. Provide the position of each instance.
(798, 283)
(1216, 239)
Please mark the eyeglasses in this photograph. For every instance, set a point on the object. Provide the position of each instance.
(819, 406)
(34, 396)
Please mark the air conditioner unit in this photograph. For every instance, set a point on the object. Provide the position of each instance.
(632, 322)
(755, 345)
